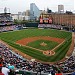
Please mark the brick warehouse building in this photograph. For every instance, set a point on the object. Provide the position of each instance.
(63, 19)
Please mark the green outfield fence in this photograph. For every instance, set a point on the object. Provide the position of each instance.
(34, 24)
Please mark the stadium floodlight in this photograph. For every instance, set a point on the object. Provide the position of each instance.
(5, 10)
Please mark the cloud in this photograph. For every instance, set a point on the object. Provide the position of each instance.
(3, 0)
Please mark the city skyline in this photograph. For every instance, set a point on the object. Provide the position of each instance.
(16, 6)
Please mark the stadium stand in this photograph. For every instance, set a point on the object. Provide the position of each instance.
(49, 26)
(5, 19)
(10, 28)
(28, 67)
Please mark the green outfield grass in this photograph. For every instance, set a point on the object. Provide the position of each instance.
(49, 45)
(60, 52)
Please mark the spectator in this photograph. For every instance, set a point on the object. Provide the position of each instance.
(1, 71)
(1, 60)
(73, 73)
(5, 70)
(58, 73)
(12, 69)
(11, 66)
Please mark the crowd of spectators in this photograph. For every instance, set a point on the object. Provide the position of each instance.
(10, 28)
(18, 27)
(49, 26)
(7, 28)
(17, 62)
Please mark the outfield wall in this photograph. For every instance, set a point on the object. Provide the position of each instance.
(31, 24)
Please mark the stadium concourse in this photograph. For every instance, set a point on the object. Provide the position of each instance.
(29, 67)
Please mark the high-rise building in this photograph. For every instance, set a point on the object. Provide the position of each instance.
(27, 13)
(43, 12)
(60, 8)
(19, 15)
(34, 11)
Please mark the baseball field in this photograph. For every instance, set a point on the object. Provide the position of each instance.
(47, 45)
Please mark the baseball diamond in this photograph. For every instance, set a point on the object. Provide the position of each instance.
(35, 43)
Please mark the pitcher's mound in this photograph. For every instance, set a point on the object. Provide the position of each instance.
(43, 44)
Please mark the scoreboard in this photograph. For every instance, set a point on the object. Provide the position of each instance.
(45, 19)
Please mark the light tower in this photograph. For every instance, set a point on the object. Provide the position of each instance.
(5, 10)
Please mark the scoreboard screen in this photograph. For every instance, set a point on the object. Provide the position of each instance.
(45, 19)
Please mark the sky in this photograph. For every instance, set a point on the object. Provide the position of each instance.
(16, 6)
